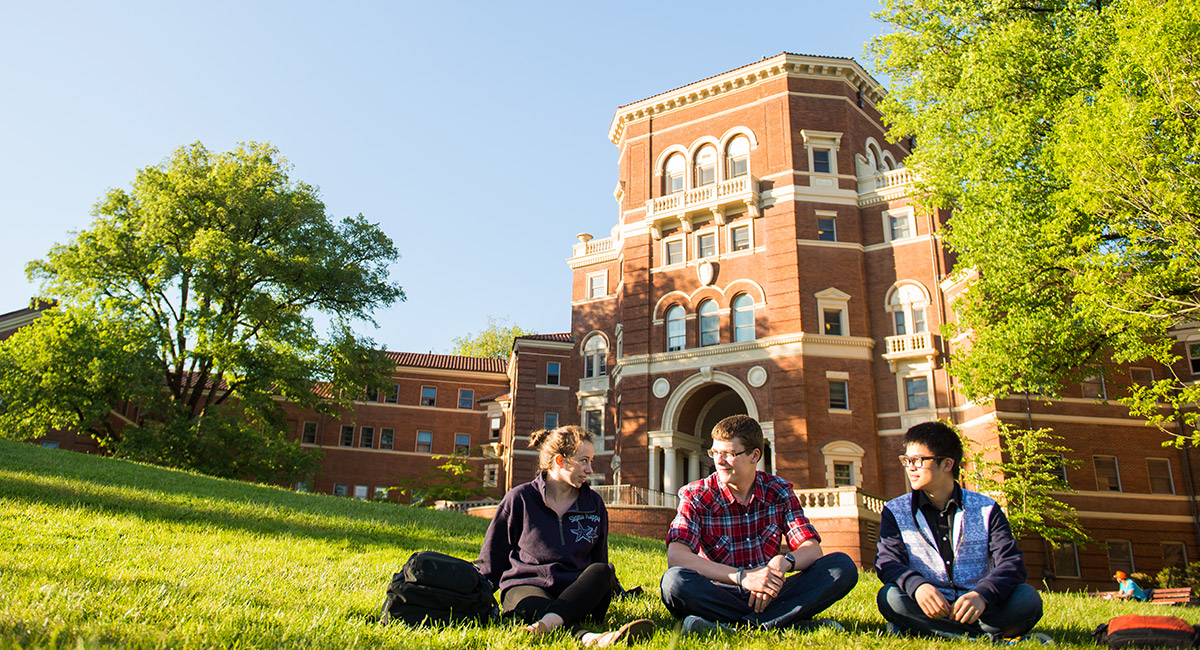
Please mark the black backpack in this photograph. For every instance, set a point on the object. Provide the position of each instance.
(437, 588)
(1141, 631)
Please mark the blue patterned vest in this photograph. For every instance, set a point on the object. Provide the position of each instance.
(969, 536)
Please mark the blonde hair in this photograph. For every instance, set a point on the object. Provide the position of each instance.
(552, 442)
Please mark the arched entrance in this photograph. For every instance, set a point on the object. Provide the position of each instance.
(677, 451)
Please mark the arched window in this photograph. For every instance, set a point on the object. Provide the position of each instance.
(743, 318)
(676, 333)
(706, 166)
(875, 157)
(595, 357)
(673, 174)
(710, 323)
(907, 305)
(737, 157)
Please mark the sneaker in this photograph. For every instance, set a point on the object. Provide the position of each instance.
(697, 625)
(819, 623)
(1038, 637)
(894, 630)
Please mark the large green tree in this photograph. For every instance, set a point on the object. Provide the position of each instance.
(494, 341)
(1064, 135)
(192, 295)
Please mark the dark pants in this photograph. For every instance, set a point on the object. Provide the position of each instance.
(586, 598)
(1012, 618)
(804, 595)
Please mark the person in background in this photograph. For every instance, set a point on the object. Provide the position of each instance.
(1127, 588)
(547, 546)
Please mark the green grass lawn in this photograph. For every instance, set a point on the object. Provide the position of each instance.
(102, 553)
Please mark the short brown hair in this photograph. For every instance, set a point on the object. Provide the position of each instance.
(741, 427)
(552, 442)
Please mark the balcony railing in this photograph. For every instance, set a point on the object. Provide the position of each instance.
(886, 180)
(909, 346)
(593, 246)
(840, 502)
(743, 189)
(632, 495)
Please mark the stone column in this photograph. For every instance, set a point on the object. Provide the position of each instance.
(693, 466)
(655, 484)
(670, 469)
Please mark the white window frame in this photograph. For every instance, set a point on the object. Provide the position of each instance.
(667, 327)
(1132, 562)
(714, 316)
(716, 156)
(1193, 356)
(304, 431)
(495, 427)
(362, 492)
(380, 493)
(595, 357)
(394, 398)
(491, 474)
(550, 420)
(417, 448)
(681, 173)
(733, 318)
(362, 434)
(730, 159)
(830, 140)
(587, 413)
(716, 243)
(749, 238)
(833, 299)
(1089, 381)
(928, 393)
(434, 398)
(683, 253)
(900, 300)
(832, 216)
(1170, 475)
(845, 384)
(342, 441)
(392, 442)
(465, 449)
(1133, 371)
(595, 290)
(905, 213)
(469, 393)
(557, 375)
(843, 452)
(1116, 470)
(341, 489)
(1074, 556)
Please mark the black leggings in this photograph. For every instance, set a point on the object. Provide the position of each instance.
(586, 598)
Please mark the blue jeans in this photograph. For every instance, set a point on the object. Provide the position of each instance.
(1012, 618)
(804, 595)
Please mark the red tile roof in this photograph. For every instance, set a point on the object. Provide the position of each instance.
(561, 338)
(448, 362)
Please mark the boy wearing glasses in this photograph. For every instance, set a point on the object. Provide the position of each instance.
(737, 536)
(946, 556)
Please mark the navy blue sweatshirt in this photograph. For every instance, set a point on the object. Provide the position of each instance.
(527, 543)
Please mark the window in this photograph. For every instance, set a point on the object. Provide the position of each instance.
(826, 229)
(553, 370)
(1066, 560)
(673, 178)
(907, 304)
(676, 332)
(839, 394)
(1194, 357)
(916, 393)
(429, 396)
(595, 357)
(673, 251)
(366, 437)
(1108, 475)
(462, 444)
(1174, 555)
(372, 394)
(706, 245)
(381, 493)
(1120, 556)
(340, 489)
(1093, 387)
(393, 397)
(361, 491)
(491, 475)
(424, 442)
(1161, 481)
(303, 486)
(821, 161)
(466, 398)
(737, 157)
(833, 322)
(597, 285)
(347, 436)
(309, 437)
(710, 323)
(495, 428)
(1142, 376)
(593, 422)
(739, 238)
(550, 420)
(898, 226)
(387, 438)
(843, 474)
(1056, 465)
(743, 318)
(706, 166)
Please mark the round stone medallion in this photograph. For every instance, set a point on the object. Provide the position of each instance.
(757, 376)
(661, 387)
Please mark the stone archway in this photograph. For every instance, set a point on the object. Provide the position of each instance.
(694, 407)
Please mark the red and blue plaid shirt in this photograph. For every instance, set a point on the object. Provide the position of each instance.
(716, 526)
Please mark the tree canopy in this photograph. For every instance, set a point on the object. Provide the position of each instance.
(192, 295)
(494, 341)
(1064, 135)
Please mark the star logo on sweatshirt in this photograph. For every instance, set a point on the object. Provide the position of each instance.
(584, 533)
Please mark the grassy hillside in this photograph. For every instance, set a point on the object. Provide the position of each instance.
(102, 553)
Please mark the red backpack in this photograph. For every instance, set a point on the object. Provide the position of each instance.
(1137, 631)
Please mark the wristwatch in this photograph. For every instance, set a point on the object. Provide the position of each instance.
(790, 559)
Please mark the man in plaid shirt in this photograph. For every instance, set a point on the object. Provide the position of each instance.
(737, 535)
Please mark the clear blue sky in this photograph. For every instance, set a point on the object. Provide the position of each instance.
(475, 134)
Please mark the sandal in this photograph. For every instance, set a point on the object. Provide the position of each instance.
(633, 631)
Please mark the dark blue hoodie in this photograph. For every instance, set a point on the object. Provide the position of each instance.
(527, 543)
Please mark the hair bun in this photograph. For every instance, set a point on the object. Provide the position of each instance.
(537, 438)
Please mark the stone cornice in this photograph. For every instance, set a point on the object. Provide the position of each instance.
(792, 65)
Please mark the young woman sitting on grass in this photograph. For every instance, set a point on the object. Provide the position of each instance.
(547, 545)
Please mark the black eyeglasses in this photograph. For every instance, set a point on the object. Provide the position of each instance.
(915, 462)
(729, 455)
